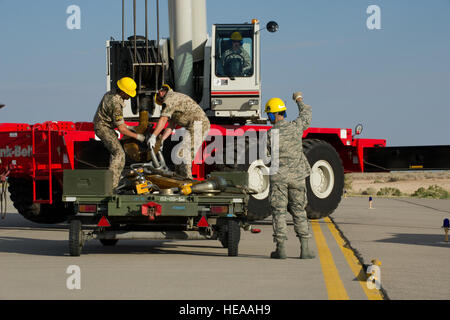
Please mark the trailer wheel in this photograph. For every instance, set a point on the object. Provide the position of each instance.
(222, 231)
(75, 238)
(224, 240)
(109, 242)
(326, 182)
(223, 235)
(21, 191)
(234, 236)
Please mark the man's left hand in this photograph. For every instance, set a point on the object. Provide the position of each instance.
(151, 142)
(140, 137)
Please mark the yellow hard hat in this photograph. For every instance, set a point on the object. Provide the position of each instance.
(165, 86)
(275, 105)
(158, 100)
(128, 86)
(236, 36)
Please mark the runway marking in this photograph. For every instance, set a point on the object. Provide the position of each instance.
(333, 282)
(353, 262)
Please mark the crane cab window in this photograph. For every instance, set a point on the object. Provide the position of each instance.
(234, 51)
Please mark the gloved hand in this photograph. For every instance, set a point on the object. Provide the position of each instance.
(140, 137)
(297, 96)
(151, 142)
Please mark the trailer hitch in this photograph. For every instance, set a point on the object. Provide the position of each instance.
(151, 210)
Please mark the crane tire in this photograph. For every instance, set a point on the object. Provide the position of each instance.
(326, 182)
(21, 191)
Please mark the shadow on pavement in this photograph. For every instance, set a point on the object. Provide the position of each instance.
(59, 248)
(15, 221)
(433, 240)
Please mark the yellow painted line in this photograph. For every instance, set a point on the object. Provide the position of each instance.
(354, 263)
(333, 282)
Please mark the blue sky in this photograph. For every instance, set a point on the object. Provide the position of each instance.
(395, 81)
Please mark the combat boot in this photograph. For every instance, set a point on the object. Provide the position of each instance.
(280, 252)
(306, 253)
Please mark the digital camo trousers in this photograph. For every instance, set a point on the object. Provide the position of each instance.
(192, 142)
(117, 159)
(289, 196)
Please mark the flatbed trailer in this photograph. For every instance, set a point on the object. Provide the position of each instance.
(100, 214)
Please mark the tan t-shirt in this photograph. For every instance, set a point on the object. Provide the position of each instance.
(110, 111)
(181, 109)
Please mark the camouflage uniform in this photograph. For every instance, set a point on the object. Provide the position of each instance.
(109, 116)
(185, 112)
(287, 185)
(239, 54)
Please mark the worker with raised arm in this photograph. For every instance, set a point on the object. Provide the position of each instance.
(289, 169)
(181, 110)
(109, 116)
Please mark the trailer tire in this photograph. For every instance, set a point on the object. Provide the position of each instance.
(224, 241)
(21, 191)
(75, 238)
(234, 236)
(222, 231)
(109, 242)
(326, 182)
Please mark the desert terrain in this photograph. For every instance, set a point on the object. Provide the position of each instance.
(407, 182)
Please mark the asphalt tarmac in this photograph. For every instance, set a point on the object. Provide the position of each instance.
(405, 235)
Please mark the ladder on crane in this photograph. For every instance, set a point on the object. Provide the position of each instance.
(42, 160)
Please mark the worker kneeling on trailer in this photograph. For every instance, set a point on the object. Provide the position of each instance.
(287, 184)
(109, 116)
(180, 110)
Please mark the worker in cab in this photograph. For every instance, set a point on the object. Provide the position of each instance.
(181, 110)
(289, 169)
(236, 61)
(108, 117)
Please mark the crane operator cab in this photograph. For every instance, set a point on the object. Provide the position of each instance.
(236, 60)
(235, 72)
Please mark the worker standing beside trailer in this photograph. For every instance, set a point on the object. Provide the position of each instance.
(109, 116)
(287, 184)
(180, 110)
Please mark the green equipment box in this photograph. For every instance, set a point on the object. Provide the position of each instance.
(87, 183)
